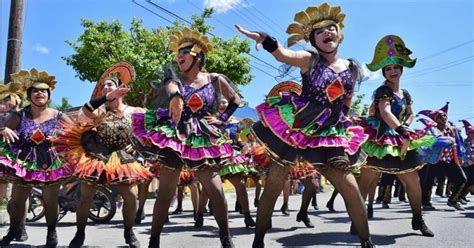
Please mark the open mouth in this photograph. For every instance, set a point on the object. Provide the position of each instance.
(181, 61)
(327, 40)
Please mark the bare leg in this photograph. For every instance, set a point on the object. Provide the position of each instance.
(309, 191)
(168, 180)
(411, 182)
(20, 195)
(194, 195)
(129, 210)
(258, 188)
(286, 196)
(142, 196)
(179, 207)
(212, 184)
(276, 179)
(242, 198)
(346, 184)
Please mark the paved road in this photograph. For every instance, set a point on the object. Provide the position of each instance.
(390, 228)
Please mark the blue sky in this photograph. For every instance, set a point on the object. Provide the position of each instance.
(439, 33)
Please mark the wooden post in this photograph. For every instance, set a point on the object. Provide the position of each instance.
(15, 35)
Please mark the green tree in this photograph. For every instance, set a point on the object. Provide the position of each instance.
(105, 43)
(358, 108)
(64, 105)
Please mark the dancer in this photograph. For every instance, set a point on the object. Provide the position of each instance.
(186, 134)
(313, 126)
(100, 144)
(392, 146)
(447, 160)
(27, 155)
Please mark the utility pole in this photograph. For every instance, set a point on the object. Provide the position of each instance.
(15, 36)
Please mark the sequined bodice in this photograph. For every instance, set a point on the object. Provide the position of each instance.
(325, 86)
(399, 107)
(115, 131)
(30, 130)
(198, 102)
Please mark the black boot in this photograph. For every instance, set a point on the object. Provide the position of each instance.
(330, 206)
(51, 238)
(139, 216)
(130, 238)
(23, 235)
(303, 216)
(417, 223)
(226, 240)
(154, 242)
(11, 235)
(199, 220)
(370, 211)
(238, 208)
(367, 244)
(284, 209)
(248, 220)
(78, 240)
(178, 210)
(314, 202)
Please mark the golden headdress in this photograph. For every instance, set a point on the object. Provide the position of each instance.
(34, 78)
(313, 18)
(188, 37)
(123, 71)
(14, 90)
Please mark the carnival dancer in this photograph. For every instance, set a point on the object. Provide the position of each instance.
(468, 164)
(311, 127)
(392, 146)
(100, 146)
(27, 154)
(187, 133)
(236, 171)
(11, 95)
(446, 159)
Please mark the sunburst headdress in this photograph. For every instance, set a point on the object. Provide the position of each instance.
(35, 79)
(313, 18)
(188, 37)
(14, 90)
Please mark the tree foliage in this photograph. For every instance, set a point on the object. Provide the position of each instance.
(105, 43)
(358, 108)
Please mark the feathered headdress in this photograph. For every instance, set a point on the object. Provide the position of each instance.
(121, 70)
(313, 18)
(188, 37)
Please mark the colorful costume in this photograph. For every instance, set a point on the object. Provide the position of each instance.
(100, 149)
(192, 142)
(443, 159)
(384, 146)
(32, 160)
(468, 165)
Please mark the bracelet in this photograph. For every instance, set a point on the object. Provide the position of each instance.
(270, 44)
(177, 93)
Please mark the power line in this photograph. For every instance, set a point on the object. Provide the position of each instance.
(180, 18)
(442, 68)
(446, 50)
(160, 16)
(439, 66)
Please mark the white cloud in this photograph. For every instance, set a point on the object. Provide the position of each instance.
(222, 6)
(38, 47)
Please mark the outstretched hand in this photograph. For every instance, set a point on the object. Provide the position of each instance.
(252, 35)
(119, 92)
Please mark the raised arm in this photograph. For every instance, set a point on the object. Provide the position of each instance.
(301, 59)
